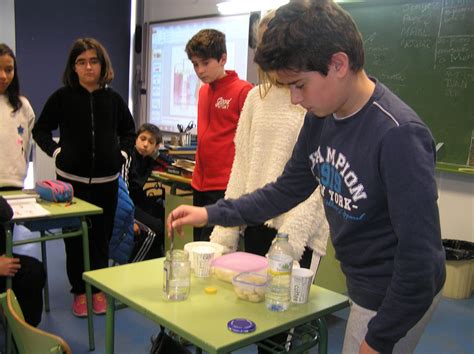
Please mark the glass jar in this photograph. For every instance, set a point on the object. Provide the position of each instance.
(176, 275)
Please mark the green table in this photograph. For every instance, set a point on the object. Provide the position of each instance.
(202, 318)
(173, 181)
(61, 214)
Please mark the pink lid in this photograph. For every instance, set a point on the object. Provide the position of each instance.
(241, 262)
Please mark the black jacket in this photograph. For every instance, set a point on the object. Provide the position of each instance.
(149, 210)
(138, 174)
(93, 128)
(6, 212)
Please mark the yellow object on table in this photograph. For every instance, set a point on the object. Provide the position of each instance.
(210, 290)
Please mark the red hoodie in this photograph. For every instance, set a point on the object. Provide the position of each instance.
(219, 107)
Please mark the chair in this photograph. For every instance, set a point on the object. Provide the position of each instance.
(28, 338)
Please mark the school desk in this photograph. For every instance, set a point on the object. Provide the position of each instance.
(174, 181)
(180, 193)
(202, 318)
(60, 215)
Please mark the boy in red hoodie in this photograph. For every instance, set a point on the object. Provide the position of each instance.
(221, 99)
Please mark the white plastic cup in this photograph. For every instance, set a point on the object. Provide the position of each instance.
(190, 246)
(202, 257)
(301, 280)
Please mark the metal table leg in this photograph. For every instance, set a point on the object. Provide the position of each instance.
(109, 325)
(87, 267)
(9, 253)
(323, 335)
(44, 259)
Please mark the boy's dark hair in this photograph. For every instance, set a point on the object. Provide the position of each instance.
(13, 90)
(152, 129)
(206, 44)
(304, 36)
(70, 77)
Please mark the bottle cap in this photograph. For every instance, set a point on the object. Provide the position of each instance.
(241, 325)
(210, 290)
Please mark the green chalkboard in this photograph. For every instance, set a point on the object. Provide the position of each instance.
(424, 52)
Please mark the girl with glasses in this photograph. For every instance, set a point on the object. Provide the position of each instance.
(96, 135)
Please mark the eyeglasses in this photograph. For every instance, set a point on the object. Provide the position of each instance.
(91, 62)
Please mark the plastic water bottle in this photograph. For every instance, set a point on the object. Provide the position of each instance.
(280, 264)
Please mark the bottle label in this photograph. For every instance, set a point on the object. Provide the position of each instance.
(280, 264)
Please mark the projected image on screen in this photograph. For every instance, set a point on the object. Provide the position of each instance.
(173, 86)
(185, 85)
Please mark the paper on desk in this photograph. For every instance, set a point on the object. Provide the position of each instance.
(21, 196)
(25, 206)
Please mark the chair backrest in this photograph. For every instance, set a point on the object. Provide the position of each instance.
(28, 338)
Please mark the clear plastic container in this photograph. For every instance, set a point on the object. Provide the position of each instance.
(228, 266)
(250, 286)
(176, 275)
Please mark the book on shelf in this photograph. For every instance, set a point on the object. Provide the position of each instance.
(177, 171)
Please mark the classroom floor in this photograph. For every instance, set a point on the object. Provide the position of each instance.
(450, 331)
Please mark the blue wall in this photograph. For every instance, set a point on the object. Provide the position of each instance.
(45, 31)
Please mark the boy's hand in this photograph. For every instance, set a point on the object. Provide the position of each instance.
(136, 228)
(186, 215)
(9, 266)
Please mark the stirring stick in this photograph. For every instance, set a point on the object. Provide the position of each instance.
(172, 243)
(171, 253)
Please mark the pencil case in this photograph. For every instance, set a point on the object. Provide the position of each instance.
(54, 191)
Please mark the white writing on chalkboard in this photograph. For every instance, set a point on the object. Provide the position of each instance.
(378, 53)
(456, 15)
(424, 52)
(418, 28)
(458, 79)
(455, 51)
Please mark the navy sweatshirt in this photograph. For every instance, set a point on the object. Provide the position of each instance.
(376, 171)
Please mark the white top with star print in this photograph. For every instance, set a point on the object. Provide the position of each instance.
(15, 142)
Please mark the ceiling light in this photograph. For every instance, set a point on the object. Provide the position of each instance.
(231, 7)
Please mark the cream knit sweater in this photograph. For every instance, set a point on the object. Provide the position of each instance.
(266, 134)
(15, 137)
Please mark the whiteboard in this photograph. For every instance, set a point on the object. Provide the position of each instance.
(172, 85)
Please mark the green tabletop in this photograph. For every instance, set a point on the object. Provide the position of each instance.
(61, 215)
(202, 318)
(77, 208)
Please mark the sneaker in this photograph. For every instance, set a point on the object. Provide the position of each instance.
(79, 306)
(99, 303)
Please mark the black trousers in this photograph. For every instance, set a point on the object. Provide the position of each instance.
(28, 284)
(103, 195)
(201, 199)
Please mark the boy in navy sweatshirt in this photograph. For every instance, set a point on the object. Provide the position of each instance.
(374, 159)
